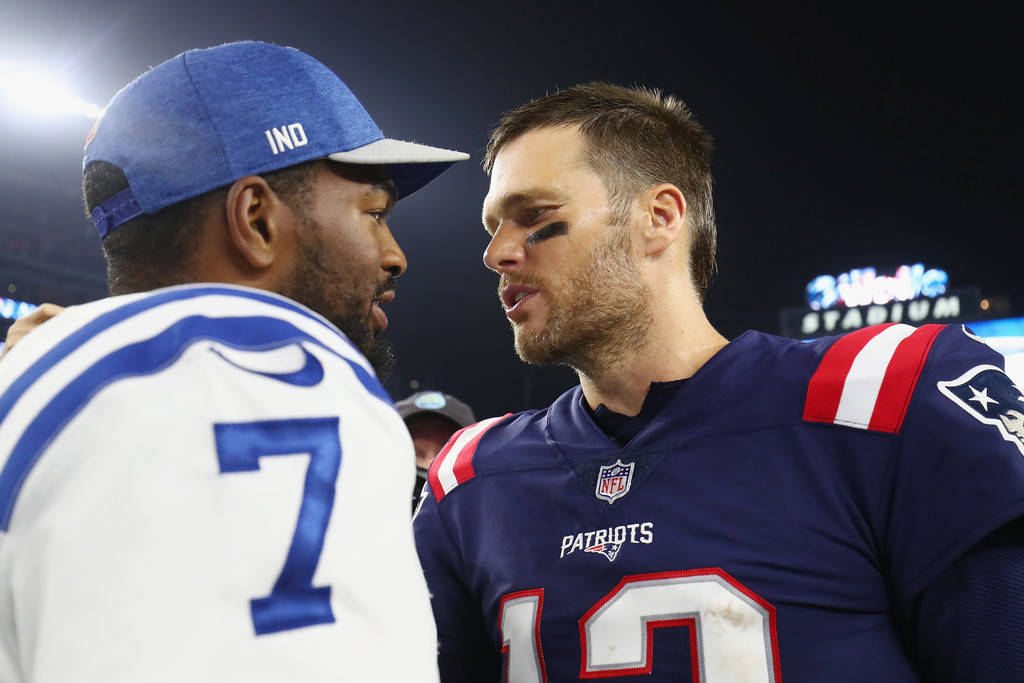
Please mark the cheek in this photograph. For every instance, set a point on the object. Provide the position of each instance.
(424, 455)
(355, 260)
(426, 448)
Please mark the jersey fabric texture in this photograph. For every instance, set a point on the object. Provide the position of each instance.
(766, 525)
(204, 483)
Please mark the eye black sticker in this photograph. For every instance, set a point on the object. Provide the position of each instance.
(547, 232)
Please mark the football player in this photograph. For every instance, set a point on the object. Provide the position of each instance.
(700, 509)
(201, 478)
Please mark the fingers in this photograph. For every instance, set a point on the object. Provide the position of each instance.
(23, 326)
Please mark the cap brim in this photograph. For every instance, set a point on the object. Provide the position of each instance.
(388, 151)
(411, 165)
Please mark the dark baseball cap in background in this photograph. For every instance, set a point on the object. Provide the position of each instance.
(438, 403)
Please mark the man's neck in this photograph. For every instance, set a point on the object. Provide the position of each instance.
(622, 385)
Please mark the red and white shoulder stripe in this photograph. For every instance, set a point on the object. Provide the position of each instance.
(867, 377)
(454, 464)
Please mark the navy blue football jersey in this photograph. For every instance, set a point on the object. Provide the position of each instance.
(767, 523)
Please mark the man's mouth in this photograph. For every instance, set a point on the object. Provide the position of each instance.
(379, 316)
(514, 296)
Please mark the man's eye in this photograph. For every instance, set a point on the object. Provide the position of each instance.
(532, 215)
(379, 215)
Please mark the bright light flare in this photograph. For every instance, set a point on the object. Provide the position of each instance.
(33, 91)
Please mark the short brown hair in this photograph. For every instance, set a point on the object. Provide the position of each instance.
(636, 138)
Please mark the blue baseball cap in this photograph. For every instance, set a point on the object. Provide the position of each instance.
(208, 117)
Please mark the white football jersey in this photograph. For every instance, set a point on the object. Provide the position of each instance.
(204, 484)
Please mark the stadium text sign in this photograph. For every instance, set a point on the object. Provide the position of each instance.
(913, 294)
(916, 312)
(864, 286)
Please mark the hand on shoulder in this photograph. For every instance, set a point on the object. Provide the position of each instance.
(22, 326)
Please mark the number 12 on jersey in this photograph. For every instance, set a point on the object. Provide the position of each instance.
(293, 602)
(732, 630)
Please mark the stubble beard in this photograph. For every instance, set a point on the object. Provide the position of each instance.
(320, 287)
(601, 315)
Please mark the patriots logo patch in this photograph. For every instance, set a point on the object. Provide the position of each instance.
(609, 550)
(990, 397)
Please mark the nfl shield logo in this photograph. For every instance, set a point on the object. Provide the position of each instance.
(613, 481)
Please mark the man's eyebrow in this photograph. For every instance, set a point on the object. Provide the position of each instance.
(389, 187)
(511, 200)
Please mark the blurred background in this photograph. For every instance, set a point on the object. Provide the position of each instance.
(850, 142)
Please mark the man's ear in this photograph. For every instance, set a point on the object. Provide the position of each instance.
(666, 217)
(257, 220)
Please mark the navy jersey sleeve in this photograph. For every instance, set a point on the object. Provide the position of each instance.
(959, 471)
(464, 650)
(960, 628)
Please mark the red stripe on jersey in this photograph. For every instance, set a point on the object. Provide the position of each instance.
(826, 385)
(435, 465)
(462, 467)
(901, 378)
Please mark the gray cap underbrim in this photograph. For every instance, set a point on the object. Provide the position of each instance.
(410, 164)
(442, 404)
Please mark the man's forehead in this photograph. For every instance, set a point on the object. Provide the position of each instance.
(549, 176)
(535, 167)
(540, 149)
(538, 157)
(375, 177)
(538, 192)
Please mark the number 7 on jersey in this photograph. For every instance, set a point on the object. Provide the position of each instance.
(293, 602)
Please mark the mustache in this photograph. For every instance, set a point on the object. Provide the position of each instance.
(504, 281)
(388, 284)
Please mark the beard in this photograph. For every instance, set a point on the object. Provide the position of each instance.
(359, 330)
(600, 315)
(333, 293)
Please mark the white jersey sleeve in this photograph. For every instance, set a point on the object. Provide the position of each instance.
(204, 484)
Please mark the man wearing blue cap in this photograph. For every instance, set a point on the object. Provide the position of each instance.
(202, 479)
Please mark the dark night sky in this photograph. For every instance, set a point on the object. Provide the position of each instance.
(844, 138)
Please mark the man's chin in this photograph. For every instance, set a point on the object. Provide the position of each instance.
(379, 352)
(381, 356)
(537, 349)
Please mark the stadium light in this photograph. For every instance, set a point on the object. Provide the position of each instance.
(35, 92)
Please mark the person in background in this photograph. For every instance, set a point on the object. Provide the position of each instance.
(201, 476)
(431, 417)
